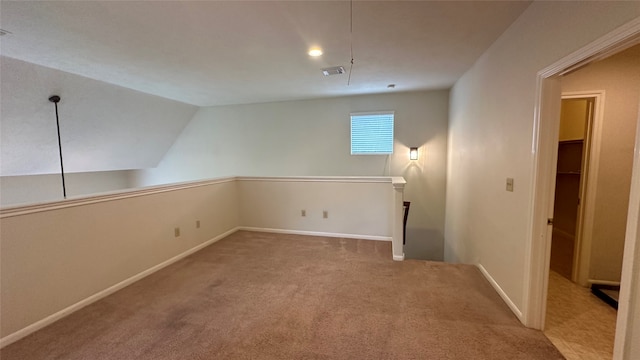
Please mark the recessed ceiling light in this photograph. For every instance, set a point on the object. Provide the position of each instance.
(315, 51)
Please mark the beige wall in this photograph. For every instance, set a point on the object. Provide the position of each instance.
(354, 207)
(54, 257)
(28, 189)
(619, 77)
(491, 126)
(573, 117)
(312, 138)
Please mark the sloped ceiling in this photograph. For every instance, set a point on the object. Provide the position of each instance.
(132, 73)
(102, 126)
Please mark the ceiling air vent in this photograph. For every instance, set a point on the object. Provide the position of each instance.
(336, 70)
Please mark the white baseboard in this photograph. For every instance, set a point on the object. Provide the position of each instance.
(316, 233)
(11, 338)
(398, 257)
(603, 282)
(501, 292)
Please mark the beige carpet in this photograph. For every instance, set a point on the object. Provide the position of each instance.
(269, 296)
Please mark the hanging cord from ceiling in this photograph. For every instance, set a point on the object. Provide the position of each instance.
(55, 99)
(350, 40)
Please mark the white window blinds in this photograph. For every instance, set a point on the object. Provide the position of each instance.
(372, 133)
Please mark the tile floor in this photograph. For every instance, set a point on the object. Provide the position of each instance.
(579, 324)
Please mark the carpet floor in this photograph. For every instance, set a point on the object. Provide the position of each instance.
(273, 296)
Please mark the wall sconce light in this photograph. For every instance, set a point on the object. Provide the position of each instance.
(413, 153)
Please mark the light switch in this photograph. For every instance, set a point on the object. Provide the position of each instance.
(510, 184)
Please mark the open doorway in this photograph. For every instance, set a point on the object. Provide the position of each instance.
(591, 203)
(598, 236)
(578, 323)
(576, 122)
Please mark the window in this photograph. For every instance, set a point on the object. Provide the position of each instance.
(372, 133)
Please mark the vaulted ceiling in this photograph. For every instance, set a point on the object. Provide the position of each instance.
(206, 53)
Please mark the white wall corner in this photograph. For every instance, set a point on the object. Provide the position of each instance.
(501, 292)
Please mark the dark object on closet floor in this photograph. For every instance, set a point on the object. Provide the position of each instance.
(607, 293)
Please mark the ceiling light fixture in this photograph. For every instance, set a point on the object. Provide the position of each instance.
(315, 51)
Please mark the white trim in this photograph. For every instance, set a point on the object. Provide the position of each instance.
(18, 210)
(630, 274)
(544, 150)
(316, 233)
(363, 113)
(581, 94)
(397, 221)
(611, 41)
(110, 196)
(586, 216)
(398, 182)
(603, 282)
(11, 338)
(339, 179)
(500, 292)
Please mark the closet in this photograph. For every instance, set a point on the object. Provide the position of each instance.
(573, 125)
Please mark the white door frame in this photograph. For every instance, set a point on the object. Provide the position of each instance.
(589, 180)
(544, 149)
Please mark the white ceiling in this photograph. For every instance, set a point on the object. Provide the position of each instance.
(229, 52)
(102, 126)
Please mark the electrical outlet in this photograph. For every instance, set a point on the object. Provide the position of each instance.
(510, 184)
(303, 213)
(197, 224)
(176, 232)
(325, 214)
